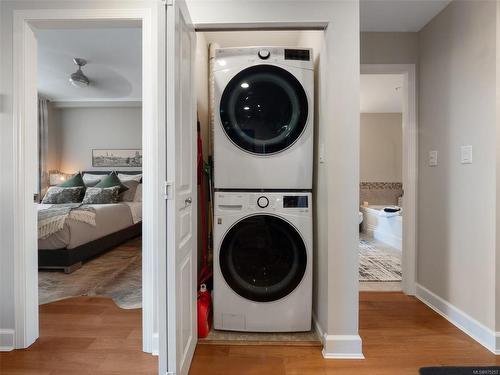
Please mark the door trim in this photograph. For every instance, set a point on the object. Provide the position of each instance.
(25, 275)
(410, 166)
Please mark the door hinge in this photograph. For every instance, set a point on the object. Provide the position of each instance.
(167, 2)
(167, 190)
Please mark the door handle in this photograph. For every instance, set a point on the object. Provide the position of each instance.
(188, 201)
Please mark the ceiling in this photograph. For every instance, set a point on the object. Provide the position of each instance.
(398, 15)
(113, 53)
(379, 93)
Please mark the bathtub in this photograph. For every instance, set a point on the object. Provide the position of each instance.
(386, 229)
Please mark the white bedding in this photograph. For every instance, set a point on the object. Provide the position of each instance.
(136, 210)
(110, 218)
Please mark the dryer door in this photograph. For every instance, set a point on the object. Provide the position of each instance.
(264, 109)
(263, 258)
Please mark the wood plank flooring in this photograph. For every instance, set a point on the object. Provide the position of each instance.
(90, 335)
(83, 336)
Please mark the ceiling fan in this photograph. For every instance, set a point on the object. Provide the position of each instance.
(79, 79)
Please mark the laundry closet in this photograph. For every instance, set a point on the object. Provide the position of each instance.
(256, 110)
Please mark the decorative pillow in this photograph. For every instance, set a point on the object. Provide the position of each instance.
(128, 177)
(60, 195)
(91, 179)
(74, 181)
(138, 193)
(110, 181)
(129, 195)
(95, 195)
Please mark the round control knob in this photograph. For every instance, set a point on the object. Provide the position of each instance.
(264, 54)
(263, 202)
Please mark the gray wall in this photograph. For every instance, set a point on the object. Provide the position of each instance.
(456, 214)
(84, 129)
(497, 273)
(381, 147)
(389, 48)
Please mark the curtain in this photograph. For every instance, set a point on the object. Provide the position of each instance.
(43, 146)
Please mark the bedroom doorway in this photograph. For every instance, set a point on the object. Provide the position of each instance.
(90, 159)
(135, 163)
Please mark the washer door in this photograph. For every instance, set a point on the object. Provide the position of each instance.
(263, 258)
(264, 109)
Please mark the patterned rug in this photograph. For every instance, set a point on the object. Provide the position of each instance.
(116, 274)
(376, 264)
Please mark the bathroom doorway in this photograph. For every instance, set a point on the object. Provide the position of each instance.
(385, 137)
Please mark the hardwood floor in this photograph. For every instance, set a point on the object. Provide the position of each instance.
(400, 335)
(83, 336)
(90, 335)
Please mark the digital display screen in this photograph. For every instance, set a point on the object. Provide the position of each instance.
(297, 54)
(296, 201)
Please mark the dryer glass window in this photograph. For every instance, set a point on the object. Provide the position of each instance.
(264, 109)
(263, 258)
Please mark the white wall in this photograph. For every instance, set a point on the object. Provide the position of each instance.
(338, 308)
(381, 147)
(316, 40)
(84, 129)
(456, 214)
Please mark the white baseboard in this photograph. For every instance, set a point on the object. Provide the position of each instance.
(478, 331)
(339, 346)
(6, 340)
(155, 345)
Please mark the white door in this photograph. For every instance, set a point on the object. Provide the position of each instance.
(181, 325)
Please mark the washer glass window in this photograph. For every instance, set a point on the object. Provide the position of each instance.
(263, 258)
(264, 109)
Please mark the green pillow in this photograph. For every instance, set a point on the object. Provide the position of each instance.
(75, 181)
(110, 181)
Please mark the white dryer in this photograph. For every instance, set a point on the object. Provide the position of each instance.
(263, 262)
(263, 123)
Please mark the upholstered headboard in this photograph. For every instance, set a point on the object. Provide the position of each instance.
(108, 172)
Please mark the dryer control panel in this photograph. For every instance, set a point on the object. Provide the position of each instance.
(234, 202)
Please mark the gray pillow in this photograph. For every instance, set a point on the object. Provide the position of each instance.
(95, 195)
(61, 195)
(128, 195)
(91, 179)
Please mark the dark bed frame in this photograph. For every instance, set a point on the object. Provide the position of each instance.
(70, 260)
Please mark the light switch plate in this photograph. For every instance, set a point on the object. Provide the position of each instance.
(466, 154)
(433, 158)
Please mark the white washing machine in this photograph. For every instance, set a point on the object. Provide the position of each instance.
(263, 123)
(263, 262)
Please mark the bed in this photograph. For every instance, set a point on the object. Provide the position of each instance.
(78, 241)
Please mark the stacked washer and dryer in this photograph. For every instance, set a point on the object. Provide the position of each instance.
(263, 162)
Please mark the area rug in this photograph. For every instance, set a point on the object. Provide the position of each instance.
(216, 337)
(116, 274)
(376, 264)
